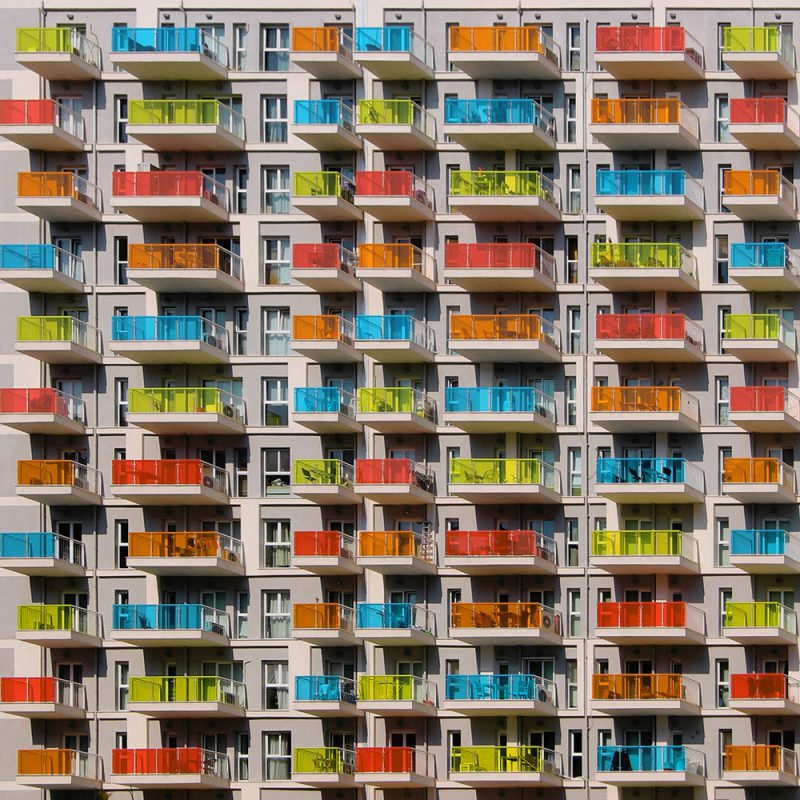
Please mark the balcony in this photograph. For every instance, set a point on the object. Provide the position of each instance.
(397, 125)
(395, 481)
(326, 124)
(765, 267)
(764, 123)
(325, 267)
(324, 624)
(759, 53)
(170, 196)
(325, 481)
(504, 480)
(182, 268)
(169, 340)
(395, 53)
(500, 766)
(659, 338)
(395, 624)
(325, 553)
(624, 409)
(762, 194)
(496, 338)
(765, 551)
(54, 769)
(759, 623)
(396, 267)
(644, 266)
(641, 694)
(42, 125)
(42, 698)
(199, 410)
(499, 409)
(499, 124)
(59, 626)
(397, 696)
(395, 196)
(396, 409)
(324, 767)
(647, 195)
(325, 696)
(186, 553)
(44, 410)
(41, 268)
(504, 196)
(42, 554)
(759, 337)
(324, 338)
(628, 552)
(504, 53)
(646, 123)
(503, 624)
(649, 480)
(169, 54)
(59, 482)
(493, 267)
(58, 340)
(186, 697)
(326, 53)
(58, 54)
(650, 623)
(639, 52)
(496, 695)
(759, 480)
(170, 768)
(765, 765)
(325, 409)
(767, 694)
(399, 552)
(394, 339)
(165, 482)
(764, 409)
(325, 196)
(395, 767)
(170, 625)
(503, 552)
(654, 765)
(58, 196)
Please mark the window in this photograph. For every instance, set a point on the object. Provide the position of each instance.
(275, 48)
(721, 26)
(274, 118)
(276, 331)
(573, 46)
(570, 118)
(574, 329)
(120, 118)
(277, 546)
(723, 400)
(723, 542)
(277, 756)
(275, 183)
(724, 454)
(276, 405)
(241, 457)
(722, 170)
(277, 265)
(572, 683)
(723, 675)
(121, 673)
(576, 754)
(242, 614)
(243, 757)
(120, 402)
(571, 255)
(722, 320)
(573, 542)
(571, 399)
(725, 597)
(240, 319)
(121, 535)
(574, 611)
(276, 470)
(121, 260)
(722, 117)
(239, 62)
(276, 685)
(574, 189)
(276, 615)
(121, 598)
(721, 258)
(574, 460)
(241, 176)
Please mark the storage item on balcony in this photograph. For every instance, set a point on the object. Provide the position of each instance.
(642, 52)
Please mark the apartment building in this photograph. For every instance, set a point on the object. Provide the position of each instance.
(399, 400)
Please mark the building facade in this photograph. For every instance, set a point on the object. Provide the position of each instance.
(400, 400)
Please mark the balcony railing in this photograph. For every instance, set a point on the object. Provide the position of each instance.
(315, 544)
(53, 762)
(504, 183)
(644, 111)
(324, 400)
(394, 184)
(58, 40)
(459, 255)
(768, 39)
(169, 40)
(644, 39)
(650, 758)
(503, 327)
(42, 545)
(658, 614)
(322, 327)
(499, 616)
(187, 689)
(58, 329)
(397, 112)
(394, 328)
(184, 544)
(760, 614)
(525, 471)
(201, 399)
(395, 616)
(395, 759)
(170, 617)
(655, 686)
(757, 399)
(764, 255)
(527, 39)
(759, 758)
(41, 256)
(494, 687)
(324, 761)
(42, 112)
(324, 689)
(644, 543)
(644, 399)
(169, 329)
(649, 471)
(658, 327)
(323, 256)
(323, 471)
(499, 111)
(168, 472)
(396, 400)
(764, 111)
(764, 542)
(396, 688)
(324, 112)
(499, 400)
(399, 39)
(169, 761)
(322, 40)
(759, 326)
(396, 544)
(648, 183)
(185, 256)
(58, 184)
(500, 544)
(323, 616)
(58, 473)
(42, 401)
(758, 471)
(186, 112)
(764, 686)
(42, 617)
(644, 255)
(323, 184)
(759, 183)
(396, 256)
(394, 471)
(505, 759)
(43, 690)
(170, 183)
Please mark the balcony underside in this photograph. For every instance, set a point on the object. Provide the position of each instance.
(501, 565)
(765, 421)
(58, 352)
(759, 66)
(170, 352)
(54, 424)
(35, 710)
(198, 423)
(397, 637)
(486, 137)
(44, 567)
(497, 279)
(767, 707)
(778, 564)
(759, 350)
(645, 279)
(505, 65)
(636, 66)
(328, 209)
(633, 493)
(175, 66)
(49, 281)
(326, 65)
(627, 351)
(59, 209)
(396, 422)
(394, 780)
(59, 639)
(188, 710)
(635, 421)
(328, 137)
(194, 565)
(393, 279)
(327, 422)
(158, 208)
(324, 637)
(760, 777)
(180, 280)
(530, 351)
(171, 638)
(166, 138)
(396, 138)
(394, 66)
(327, 565)
(327, 351)
(58, 66)
(645, 136)
(507, 636)
(501, 708)
(398, 565)
(327, 494)
(637, 565)
(49, 138)
(759, 492)
(59, 495)
(499, 422)
(646, 208)
(766, 279)
(186, 781)
(327, 708)
(395, 208)
(395, 352)
(775, 136)
(654, 778)
(503, 493)
(327, 280)
(646, 707)
(755, 207)
(760, 635)
(326, 780)
(650, 635)
(399, 494)
(58, 782)
(398, 708)
(506, 779)
(505, 208)
(170, 495)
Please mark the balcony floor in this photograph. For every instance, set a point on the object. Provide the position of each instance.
(759, 350)
(487, 136)
(189, 566)
(149, 637)
(766, 565)
(765, 136)
(198, 423)
(646, 707)
(395, 494)
(59, 782)
(396, 138)
(636, 66)
(50, 138)
(170, 66)
(169, 495)
(394, 66)
(59, 495)
(759, 66)
(326, 65)
(327, 280)
(765, 777)
(327, 708)
(496, 279)
(327, 494)
(326, 780)
(767, 707)
(205, 138)
(506, 637)
(172, 781)
(645, 136)
(396, 280)
(44, 567)
(661, 493)
(327, 137)
(632, 351)
(506, 779)
(171, 352)
(394, 780)
(529, 351)
(505, 208)
(761, 635)
(33, 710)
(327, 565)
(649, 208)
(58, 352)
(53, 424)
(398, 565)
(396, 208)
(769, 208)
(327, 422)
(161, 208)
(654, 778)
(635, 421)
(391, 422)
(654, 636)
(186, 710)
(766, 279)
(326, 351)
(59, 209)
(326, 637)
(395, 352)
(397, 637)
(49, 281)
(638, 565)
(500, 708)
(58, 66)
(501, 565)
(505, 65)
(759, 493)
(59, 639)
(644, 279)
(499, 422)
(398, 708)
(180, 280)
(327, 209)
(504, 493)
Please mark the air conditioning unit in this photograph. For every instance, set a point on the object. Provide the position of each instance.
(229, 698)
(548, 620)
(227, 410)
(215, 627)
